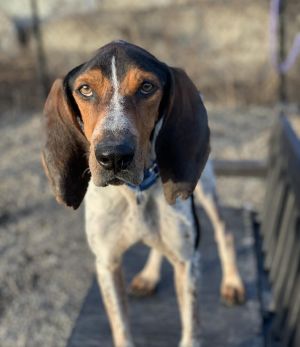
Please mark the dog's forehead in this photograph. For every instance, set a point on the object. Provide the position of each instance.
(125, 57)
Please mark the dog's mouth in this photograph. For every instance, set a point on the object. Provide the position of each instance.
(126, 179)
(115, 182)
(108, 178)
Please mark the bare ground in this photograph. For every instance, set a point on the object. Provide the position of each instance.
(41, 257)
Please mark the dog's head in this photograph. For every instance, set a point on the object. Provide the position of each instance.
(102, 120)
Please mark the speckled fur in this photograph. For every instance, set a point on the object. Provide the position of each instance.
(169, 230)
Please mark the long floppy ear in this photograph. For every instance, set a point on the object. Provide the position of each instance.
(182, 145)
(64, 155)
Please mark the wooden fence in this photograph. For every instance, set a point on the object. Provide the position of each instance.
(280, 233)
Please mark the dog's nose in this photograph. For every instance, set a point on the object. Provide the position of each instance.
(114, 157)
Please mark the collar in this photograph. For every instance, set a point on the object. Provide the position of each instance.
(150, 177)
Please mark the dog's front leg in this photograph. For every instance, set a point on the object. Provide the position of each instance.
(232, 287)
(186, 282)
(113, 293)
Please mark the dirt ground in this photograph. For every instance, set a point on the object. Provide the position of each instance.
(46, 267)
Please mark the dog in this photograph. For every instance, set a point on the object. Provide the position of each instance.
(130, 134)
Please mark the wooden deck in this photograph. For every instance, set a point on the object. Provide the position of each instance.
(155, 320)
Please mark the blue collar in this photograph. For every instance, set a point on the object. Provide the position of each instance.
(150, 177)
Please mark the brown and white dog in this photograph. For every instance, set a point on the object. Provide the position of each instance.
(112, 119)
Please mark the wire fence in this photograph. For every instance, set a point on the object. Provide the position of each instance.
(276, 10)
(282, 59)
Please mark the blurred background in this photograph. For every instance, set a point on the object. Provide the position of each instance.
(45, 266)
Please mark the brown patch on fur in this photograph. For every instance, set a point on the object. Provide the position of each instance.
(134, 79)
(92, 110)
(141, 287)
(143, 111)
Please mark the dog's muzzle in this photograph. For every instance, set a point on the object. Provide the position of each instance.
(114, 157)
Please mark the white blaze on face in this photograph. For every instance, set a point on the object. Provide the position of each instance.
(116, 107)
(115, 120)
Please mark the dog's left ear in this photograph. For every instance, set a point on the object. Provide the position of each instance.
(182, 145)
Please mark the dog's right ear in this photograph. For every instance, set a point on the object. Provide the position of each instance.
(64, 155)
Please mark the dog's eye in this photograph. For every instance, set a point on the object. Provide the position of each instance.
(86, 90)
(147, 88)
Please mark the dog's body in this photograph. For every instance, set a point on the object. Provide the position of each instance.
(114, 117)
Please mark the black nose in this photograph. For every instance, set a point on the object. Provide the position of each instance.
(114, 157)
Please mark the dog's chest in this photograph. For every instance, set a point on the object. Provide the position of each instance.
(116, 210)
(114, 221)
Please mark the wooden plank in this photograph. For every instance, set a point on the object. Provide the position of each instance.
(283, 300)
(263, 281)
(290, 155)
(242, 168)
(283, 271)
(296, 338)
(155, 320)
(272, 179)
(281, 233)
(292, 323)
(285, 228)
(276, 210)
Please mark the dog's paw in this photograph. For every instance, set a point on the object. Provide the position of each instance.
(142, 286)
(192, 343)
(232, 291)
(126, 344)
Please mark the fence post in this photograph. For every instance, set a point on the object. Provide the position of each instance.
(40, 53)
(282, 52)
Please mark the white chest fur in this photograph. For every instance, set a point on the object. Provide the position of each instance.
(114, 222)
